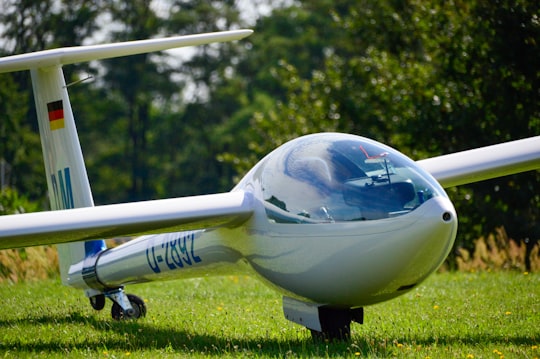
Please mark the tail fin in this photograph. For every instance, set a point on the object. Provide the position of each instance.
(67, 179)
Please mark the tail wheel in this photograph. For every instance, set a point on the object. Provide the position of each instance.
(98, 301)
(138, 311)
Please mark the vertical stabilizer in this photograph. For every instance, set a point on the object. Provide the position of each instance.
(67, 179)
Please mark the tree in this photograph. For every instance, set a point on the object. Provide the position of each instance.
(428, 78)
(134, 80)
(20, 160)
(193, 132)
(507, 83)
(32, 26)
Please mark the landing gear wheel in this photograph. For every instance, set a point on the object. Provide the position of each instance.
(336, 323)
(338, 333)
(138, 311)
(98, 301)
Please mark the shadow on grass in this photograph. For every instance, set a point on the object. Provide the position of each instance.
(132, 336)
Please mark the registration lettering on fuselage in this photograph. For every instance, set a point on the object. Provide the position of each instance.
(176, 250)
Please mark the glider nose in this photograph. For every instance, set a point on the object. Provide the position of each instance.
(397, 260)
(409, 254)
(431, 240)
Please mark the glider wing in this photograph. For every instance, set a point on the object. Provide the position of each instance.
(127, 219)
(484, 163)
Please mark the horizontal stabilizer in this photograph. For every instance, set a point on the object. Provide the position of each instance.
(76, 54)
(484, 163)
(126, 219)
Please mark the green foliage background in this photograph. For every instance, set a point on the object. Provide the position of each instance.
(427, 77)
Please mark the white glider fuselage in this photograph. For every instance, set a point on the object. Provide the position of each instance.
(354, 264)
(320, 242)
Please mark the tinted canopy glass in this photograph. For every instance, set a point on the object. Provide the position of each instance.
(335, 177)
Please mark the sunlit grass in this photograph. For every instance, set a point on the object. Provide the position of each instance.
(453, 315)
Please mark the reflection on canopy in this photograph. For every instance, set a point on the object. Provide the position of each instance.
(335, 177)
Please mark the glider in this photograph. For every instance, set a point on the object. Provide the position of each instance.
(334, 222)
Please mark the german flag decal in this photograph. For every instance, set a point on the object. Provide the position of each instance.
(56, 115)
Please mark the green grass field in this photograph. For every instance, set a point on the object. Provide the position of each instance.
(452, 315)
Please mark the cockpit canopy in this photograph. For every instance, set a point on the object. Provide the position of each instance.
(336, 177)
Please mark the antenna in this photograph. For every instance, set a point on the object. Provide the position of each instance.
(88, 77)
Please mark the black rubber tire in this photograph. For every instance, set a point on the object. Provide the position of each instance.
(335, 325)
(98, 301)
(336, 334)
(139, 309)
